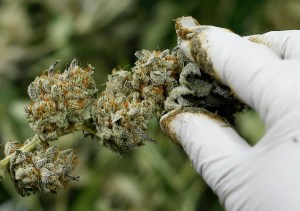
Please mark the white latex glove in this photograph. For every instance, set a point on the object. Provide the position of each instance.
(266, 76)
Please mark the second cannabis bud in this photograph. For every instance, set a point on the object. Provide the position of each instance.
(59, 100)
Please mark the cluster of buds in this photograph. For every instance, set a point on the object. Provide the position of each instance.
(59, 100)
(122, 111)
(45, 169)
(65, 102)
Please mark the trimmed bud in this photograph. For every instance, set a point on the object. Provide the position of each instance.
(59, 100)
(46, 169)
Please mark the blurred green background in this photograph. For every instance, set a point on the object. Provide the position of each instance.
(106, 33)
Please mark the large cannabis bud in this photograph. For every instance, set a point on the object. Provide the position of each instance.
(59, 100)
(45, 169)
(131, 99)
(159, 82)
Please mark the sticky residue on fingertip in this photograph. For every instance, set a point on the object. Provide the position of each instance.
(170, 129)
(260, 39)
(184, 26)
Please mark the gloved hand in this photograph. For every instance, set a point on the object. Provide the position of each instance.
(266, 76)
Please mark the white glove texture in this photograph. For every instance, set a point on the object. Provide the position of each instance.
(264, 72)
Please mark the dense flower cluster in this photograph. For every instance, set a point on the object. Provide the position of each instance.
(131, 99)
(59, 100)
(155, 74)
(45, 169)
(65, 102)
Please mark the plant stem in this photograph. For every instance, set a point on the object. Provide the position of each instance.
(86, 128)
(26, 148)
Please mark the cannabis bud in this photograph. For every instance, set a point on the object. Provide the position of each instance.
(59, 100)
(131, 99)
(155, 74)
(45, 169)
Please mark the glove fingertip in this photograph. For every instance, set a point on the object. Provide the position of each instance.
(184, 25)
(172, 129)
